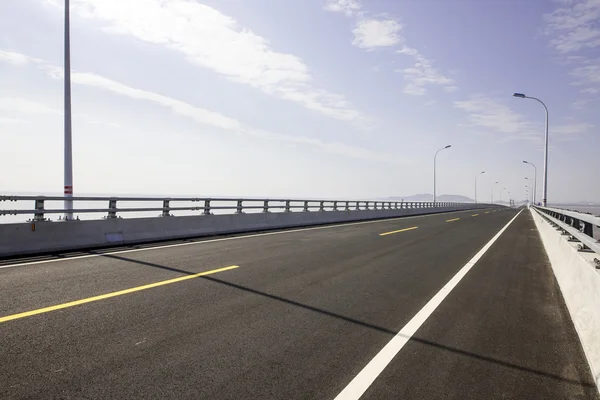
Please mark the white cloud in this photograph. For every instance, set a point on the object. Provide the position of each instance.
(198, 114)
(590, 91)
(408, 51)
(347, 7)
(423, 74)
(212, 40)
(487, 113)
(575, 26)
(570, 129)
(588, 74)
(16, 58)
(373, 33)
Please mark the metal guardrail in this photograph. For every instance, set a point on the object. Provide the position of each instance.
(579, 226)
(209, 204)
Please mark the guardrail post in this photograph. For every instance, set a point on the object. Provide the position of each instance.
(287, 206)
(206, 207)
(306, 206)
(112, 205)
(266, 206)
(39, 210)
(335, 206)
(358, 205)
(347, 206)
(322, 206)
(588, 229)
(240, 207)
(166, 209)
(366, 205)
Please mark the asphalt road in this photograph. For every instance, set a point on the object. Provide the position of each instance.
(297, 316)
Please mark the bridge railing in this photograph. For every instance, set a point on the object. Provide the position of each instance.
(113, 207)
(579, 226)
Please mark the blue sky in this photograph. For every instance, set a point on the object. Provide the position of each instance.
(302, 98)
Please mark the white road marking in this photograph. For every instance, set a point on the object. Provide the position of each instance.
(361, 382)
(224, 239)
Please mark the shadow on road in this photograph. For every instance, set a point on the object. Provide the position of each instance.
(363, 324)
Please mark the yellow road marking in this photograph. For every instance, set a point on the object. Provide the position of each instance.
(401, 230)
(474, 215)
(113, 294)
(452, 220)
(487, 212)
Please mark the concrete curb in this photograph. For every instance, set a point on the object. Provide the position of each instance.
(580, 286)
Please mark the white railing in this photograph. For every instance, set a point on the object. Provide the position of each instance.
(37, 206)
(579, 226)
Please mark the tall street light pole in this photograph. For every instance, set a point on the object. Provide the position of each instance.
(530, 187)
(534, 179)
(477, 176)
(492, 192)
(545, 180)
(434, 162)
(68, 163)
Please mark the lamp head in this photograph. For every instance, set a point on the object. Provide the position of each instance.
(447, 147)
(521, 95)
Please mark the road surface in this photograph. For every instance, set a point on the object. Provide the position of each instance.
(299, 314)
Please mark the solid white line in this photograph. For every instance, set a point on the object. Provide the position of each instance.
(229, 238)
(361, 382)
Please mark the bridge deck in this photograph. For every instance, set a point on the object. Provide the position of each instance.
(300, 318)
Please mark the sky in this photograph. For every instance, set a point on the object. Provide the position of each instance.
(337, 99)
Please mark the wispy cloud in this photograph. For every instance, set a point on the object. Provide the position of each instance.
(347, 7)
(570, 129)
(588, 74)
(494, 116)
(15, 58)
(384, 32)
(487, 113)
(213, 40)
(372, 33)
(573, 28)
(188, 110)
(422, 74)
(575, 25)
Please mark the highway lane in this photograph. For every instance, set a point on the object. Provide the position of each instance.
(80, 277)
(299, 318)
(503, 333)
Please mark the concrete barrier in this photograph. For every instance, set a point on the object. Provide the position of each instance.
(579, 283)
(47, 237)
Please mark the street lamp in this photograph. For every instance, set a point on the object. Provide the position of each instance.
(434, 161)
(476, 176)
(534, 179)
(492, 192)
(545, 180)
(529, 187)
(68, 152)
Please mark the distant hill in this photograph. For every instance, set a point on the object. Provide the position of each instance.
(452, 198)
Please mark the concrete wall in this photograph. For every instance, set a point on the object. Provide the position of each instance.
(45, 237)
(579, 283)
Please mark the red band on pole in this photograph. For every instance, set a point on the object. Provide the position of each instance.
(68, 189)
